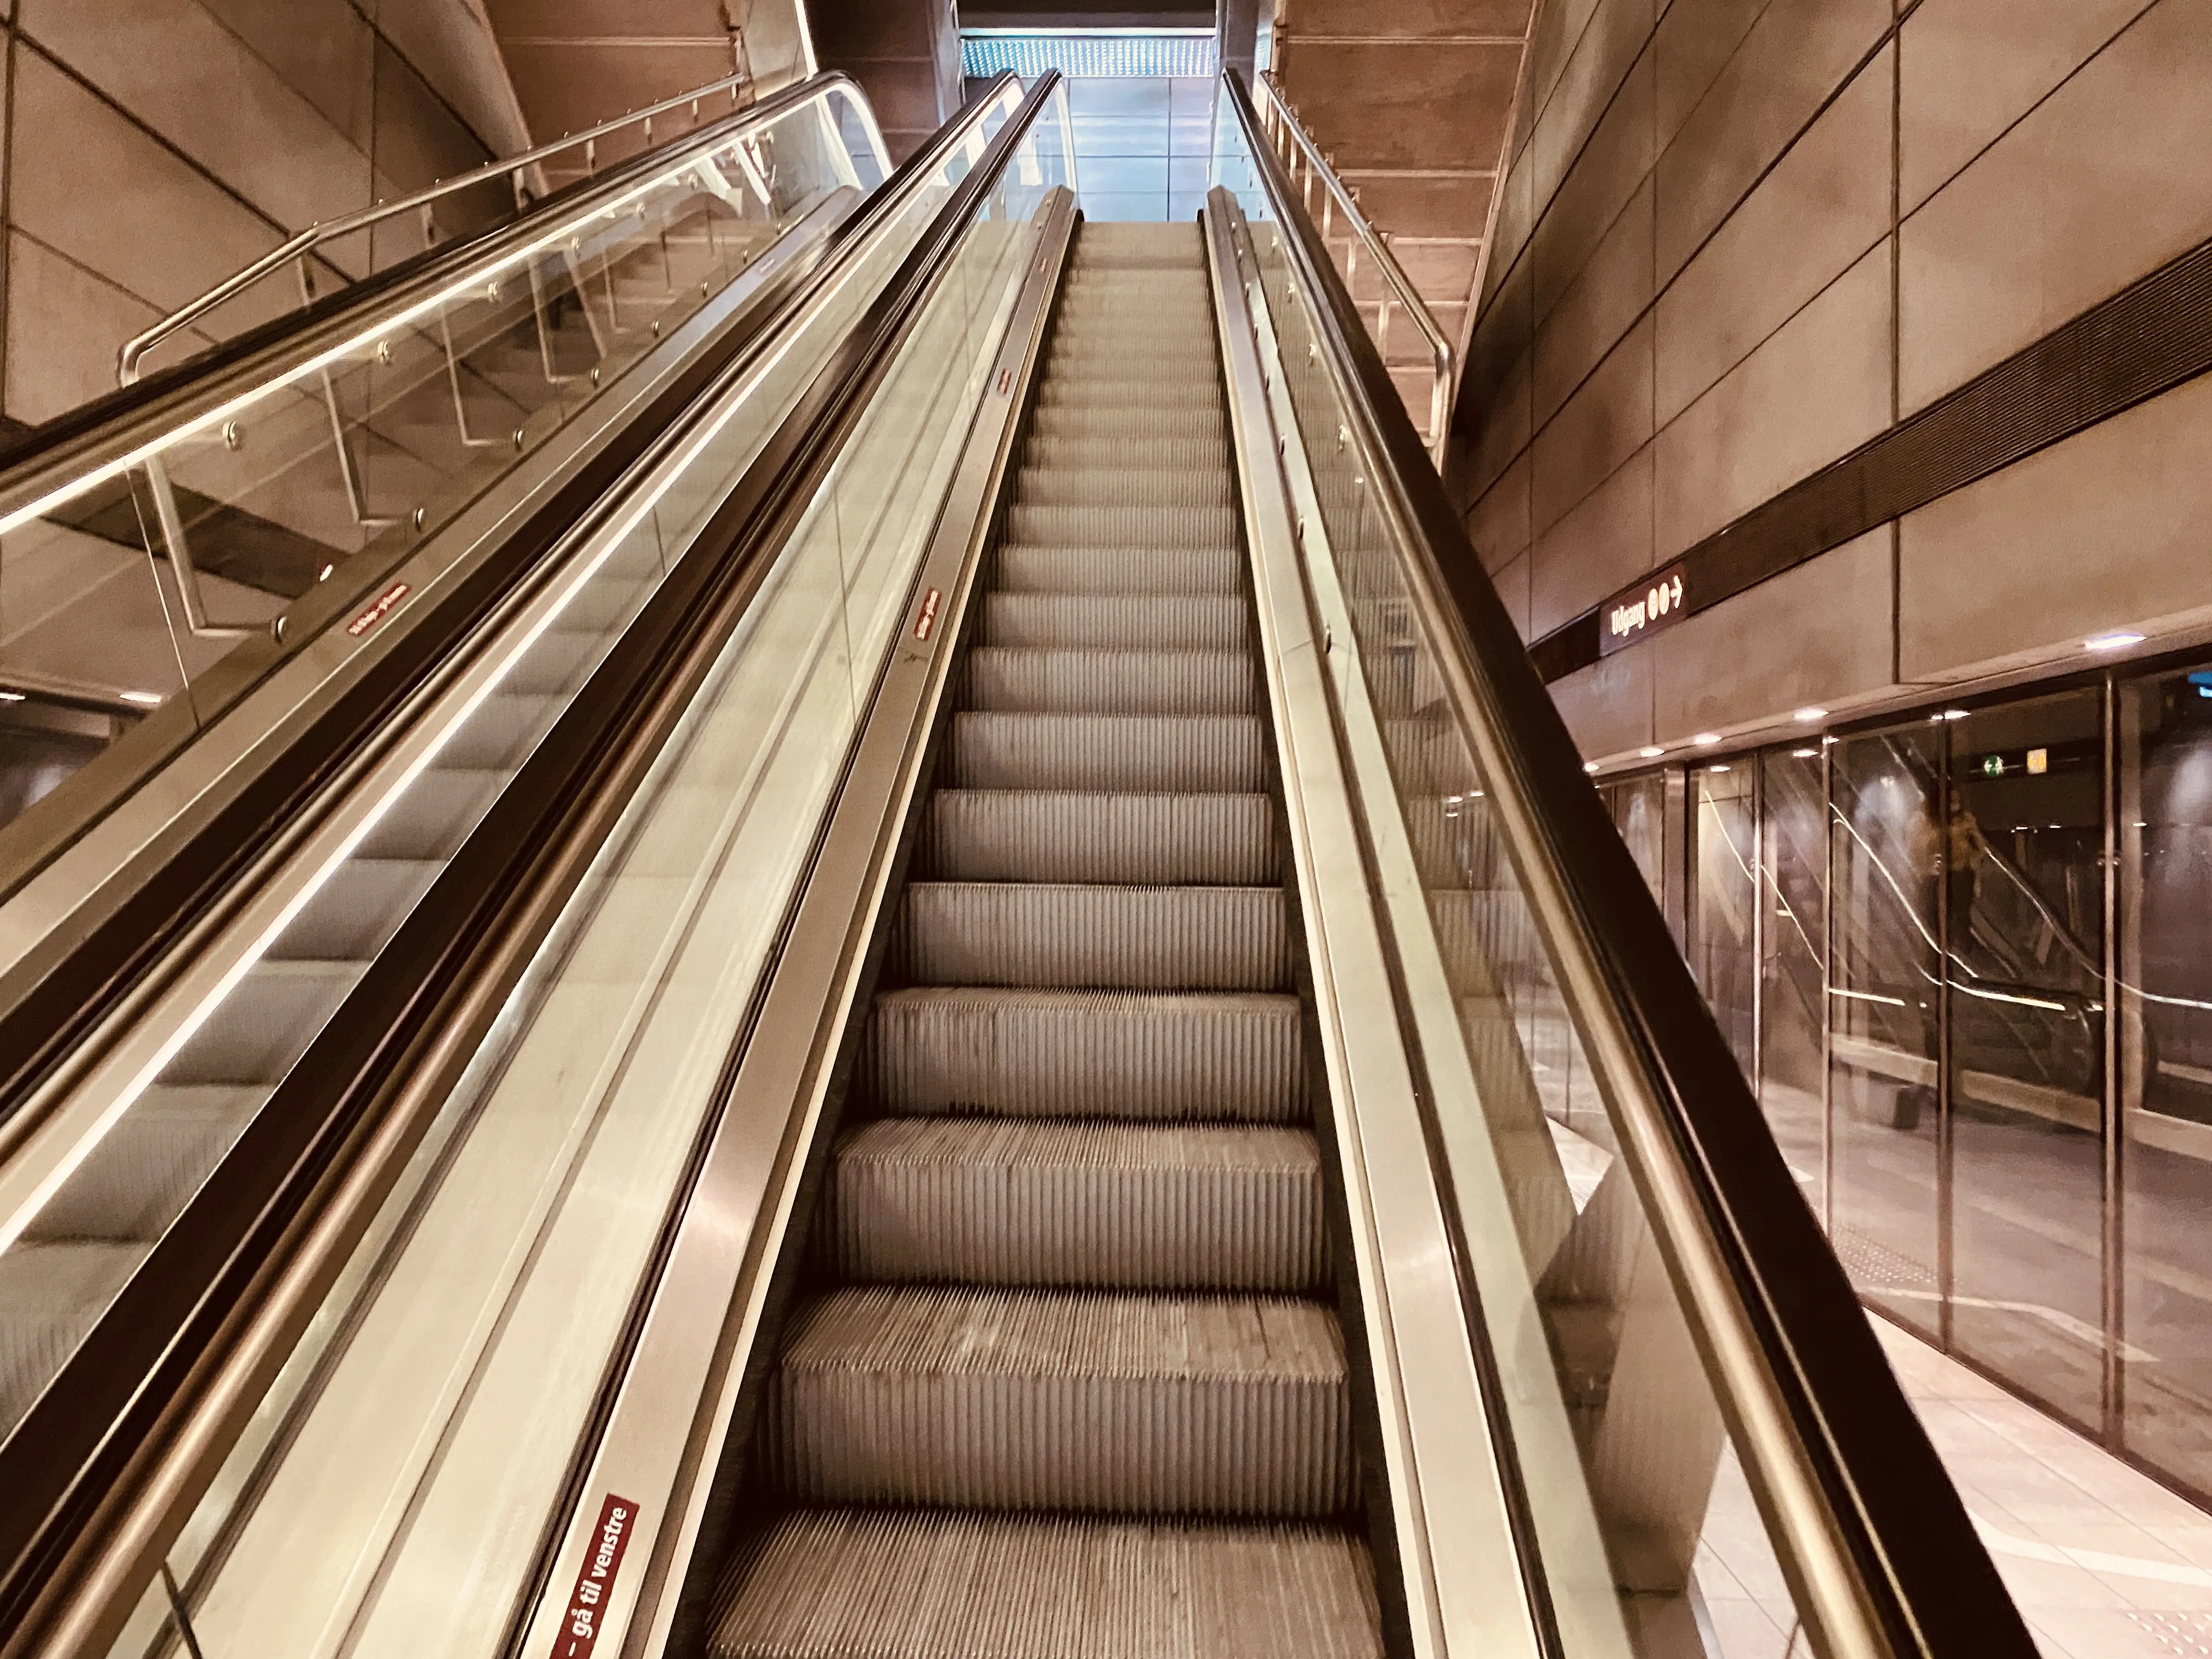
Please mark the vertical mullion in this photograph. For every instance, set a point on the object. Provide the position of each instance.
(2115, 1118)
(1945, 1265)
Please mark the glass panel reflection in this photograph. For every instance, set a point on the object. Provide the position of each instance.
(1885, 1009)
(2164, 823)
(1793, 957)
(2023, 880)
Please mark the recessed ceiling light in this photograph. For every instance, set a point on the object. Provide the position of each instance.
(1651, 752)
(11, 696)
(2113, 641)
(1589, 766)
(1716, 768)
(1953, 715)
(1808, 715)
(143, 699)
(1706, 739)
(1804, 754)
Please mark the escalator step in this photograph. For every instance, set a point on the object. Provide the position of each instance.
(1120, 487)
(1009, 835)
(1027, 568)
(1048, 681)
(1148, 391)
(827, 1584)
(1208, 452)
(1068, 421)
(1138, 938)
(1071, 1202)
(1132, 527)
(1064, 1399)
(1032, 1053)
(1126, 622)
(145, 1168)
(1107, 751)
(50, 1295)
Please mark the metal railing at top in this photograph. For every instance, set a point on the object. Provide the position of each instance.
(516, 170)
(1308, 167)
(243, 487)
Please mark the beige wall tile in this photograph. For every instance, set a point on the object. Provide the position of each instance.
(1517, 216)
(1796, 54)
(1559, 26)
(1599, 307)
(1616, 33)
(451, 45)
(1598, 548)
(1502, 420)
(2107, 179)
(180, 72)
(1696, 39)
(1971, 68)
(1599, 427)
(2107, 529)
(1608, 706)
(1823, 205)
(318, 48)
(63, 326)
(419, 140)
(1818, 388)
(165, 233)
(1758, 656)
(1497, 524)
(1607, 173)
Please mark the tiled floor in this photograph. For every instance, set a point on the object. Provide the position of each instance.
(2105, 1563)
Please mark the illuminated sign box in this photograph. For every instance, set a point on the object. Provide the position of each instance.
(1660, 600)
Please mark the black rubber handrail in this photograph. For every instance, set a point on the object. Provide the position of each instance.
(1922, 1570)
(133, 1395)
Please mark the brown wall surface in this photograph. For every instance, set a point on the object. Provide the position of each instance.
(1740, 239)
(150, 147)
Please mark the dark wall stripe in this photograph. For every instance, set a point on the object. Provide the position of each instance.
(2146, 339)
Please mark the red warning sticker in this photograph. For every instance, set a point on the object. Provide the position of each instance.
(595, 1580)
(927, 620)
(378, 610)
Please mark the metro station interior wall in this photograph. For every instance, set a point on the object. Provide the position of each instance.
(1738, 240)
(153, 147)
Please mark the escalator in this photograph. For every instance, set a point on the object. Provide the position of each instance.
(1070, 1360)
(985, 1012)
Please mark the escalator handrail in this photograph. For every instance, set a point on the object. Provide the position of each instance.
(1881, 1552)
(444, 978)
(61, 459)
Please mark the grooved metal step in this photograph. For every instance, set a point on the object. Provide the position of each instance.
(1008, 835)
(1139, 939)
(1064, 1399)
(1074, 1201)
(1043, 679)
(1025, 1052)
(1126, 622)
(1147, 571)
(1115, 487)
(1107, 751)
(855, 1583)
(1069, 420)
(1049, 525)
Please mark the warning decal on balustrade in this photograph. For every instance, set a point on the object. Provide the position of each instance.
(595, 1580)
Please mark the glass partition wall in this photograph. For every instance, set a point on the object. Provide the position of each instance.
(1961, 957)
